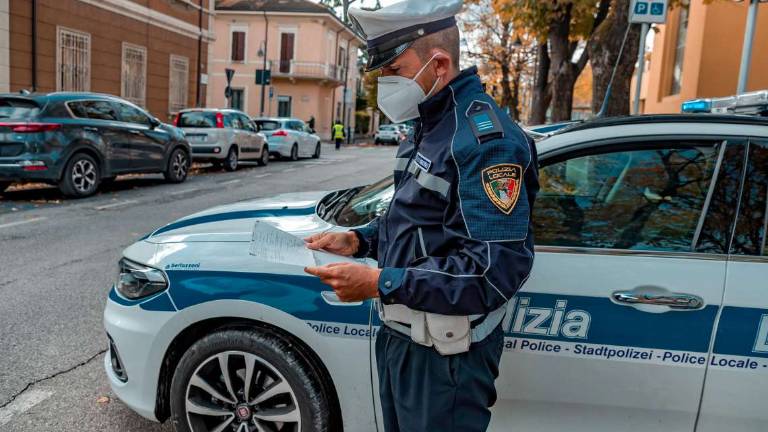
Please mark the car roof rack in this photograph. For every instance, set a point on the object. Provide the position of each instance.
(665, 118)
(752, 103)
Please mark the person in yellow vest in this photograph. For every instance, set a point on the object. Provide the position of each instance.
(338, 134)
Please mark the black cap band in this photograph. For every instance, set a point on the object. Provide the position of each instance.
(384, 49)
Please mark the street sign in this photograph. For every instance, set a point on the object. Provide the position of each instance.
(230, 74)
(263, 77)
(271, 92)
(228, 92)
(648, 11)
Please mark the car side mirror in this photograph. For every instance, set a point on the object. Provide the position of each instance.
(153, 122)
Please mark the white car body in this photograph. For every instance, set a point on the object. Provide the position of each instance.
(212, 143)
(578, 356)
(285, 134)
(388, 134)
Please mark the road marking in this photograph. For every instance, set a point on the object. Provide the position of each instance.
(22, 404)
(261, 176)
(228, 182)
(289, 170)
(116, 204)
(186, 191)
(22, 222)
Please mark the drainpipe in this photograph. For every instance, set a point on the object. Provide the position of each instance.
(345, 120)
(34, 45)
(333, 95)
(199, 55)
(266, 45)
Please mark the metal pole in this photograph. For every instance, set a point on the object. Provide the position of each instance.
(263, 81)
(640, 68)
(746, 52)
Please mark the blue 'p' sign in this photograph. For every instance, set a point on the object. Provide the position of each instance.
(641, 8)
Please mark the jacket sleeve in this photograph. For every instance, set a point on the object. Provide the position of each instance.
(490, 229)
(368, 236)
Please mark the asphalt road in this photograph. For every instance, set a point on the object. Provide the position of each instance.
(58, 259)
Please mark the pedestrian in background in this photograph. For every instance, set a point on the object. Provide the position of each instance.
(338, 134)
(455, 244)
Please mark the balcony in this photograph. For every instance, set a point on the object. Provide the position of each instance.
(294, 69)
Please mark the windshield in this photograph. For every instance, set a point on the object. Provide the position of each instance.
(268, 125)
(386, 128)
(357, 206)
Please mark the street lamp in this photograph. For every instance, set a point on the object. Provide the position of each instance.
(746, 52)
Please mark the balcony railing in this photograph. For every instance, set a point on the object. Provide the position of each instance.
(310, 70)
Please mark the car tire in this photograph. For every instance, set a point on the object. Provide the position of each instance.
(232, 160)
(4, 186)
(317, 151)
(376, 142)
(295, 152)
(264, 160)
(279, 373)
(178, 167)
(81, 177)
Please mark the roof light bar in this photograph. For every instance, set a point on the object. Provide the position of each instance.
(753, 103)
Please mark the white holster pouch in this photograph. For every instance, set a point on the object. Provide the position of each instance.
(449, 334)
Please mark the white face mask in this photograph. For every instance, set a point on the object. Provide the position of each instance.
(399, 97)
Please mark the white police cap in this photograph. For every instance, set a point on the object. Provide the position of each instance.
(391, 30)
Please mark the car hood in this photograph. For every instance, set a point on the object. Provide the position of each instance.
(294, 213)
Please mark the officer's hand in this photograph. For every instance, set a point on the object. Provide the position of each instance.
(345, 244)
(352, 282)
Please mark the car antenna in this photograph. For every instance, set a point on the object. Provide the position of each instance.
(608, 91)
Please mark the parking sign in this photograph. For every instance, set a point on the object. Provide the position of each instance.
(648, 11)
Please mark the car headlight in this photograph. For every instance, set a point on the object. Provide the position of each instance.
(136, 281)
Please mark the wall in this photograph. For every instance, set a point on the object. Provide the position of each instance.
(109, 27)
(5, 44)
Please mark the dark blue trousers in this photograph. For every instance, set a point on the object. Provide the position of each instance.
(423, 391)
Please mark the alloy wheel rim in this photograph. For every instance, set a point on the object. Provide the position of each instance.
(232, 160)
(179, 165)
(84, 176)
(235, 391)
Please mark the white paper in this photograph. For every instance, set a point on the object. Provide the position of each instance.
(271, 244)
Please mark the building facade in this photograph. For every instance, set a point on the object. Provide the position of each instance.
(698, 52)
(151, 52)
(311, 54)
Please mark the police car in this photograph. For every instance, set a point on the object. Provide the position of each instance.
(645, 310)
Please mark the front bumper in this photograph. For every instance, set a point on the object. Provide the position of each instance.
(134, 333)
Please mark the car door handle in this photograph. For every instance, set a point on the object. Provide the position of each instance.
(332, 299)
(90, 129)
(671, 300)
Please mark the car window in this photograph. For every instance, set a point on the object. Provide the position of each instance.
(130, 114)
(96, 110)
(11, 108)
(197, 119)
(235, 120)
(750, 234)
(357, 206)
(247, 124)
(386, 128)
(268, 125)
(229, 120)
(636, 199)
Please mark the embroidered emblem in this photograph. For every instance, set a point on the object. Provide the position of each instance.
(423, 162)
(502, 185)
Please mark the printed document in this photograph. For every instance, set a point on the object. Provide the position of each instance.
(271, 244)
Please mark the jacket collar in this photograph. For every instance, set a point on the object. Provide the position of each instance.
(437, 107)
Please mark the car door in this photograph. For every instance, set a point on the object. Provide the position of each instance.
(251, 145)
(301, 136)
(612, 330)
(149, 144)
(109, 135)
(737, 378)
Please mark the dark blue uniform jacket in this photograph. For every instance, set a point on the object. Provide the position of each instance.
(457, 237)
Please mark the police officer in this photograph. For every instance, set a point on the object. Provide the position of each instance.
(455, 244)
(338, 134)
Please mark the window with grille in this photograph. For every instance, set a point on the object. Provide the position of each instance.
(134, 74)
(238, 46)
(179, 83)
(73, 60)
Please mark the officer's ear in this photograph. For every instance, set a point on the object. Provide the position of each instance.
(444, 66)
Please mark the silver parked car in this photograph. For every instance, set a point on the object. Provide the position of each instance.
(389, 134)
(289, 138)
(223, 136)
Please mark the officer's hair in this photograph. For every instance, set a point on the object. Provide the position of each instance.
(447, 40)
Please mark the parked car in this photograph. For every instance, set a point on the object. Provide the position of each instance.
(290, 138)
(645, 309)
(223, 136)
(81, 140)
(388, 134)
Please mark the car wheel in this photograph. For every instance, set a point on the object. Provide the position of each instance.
(4, 186)
(239, 380)
(377, 142)
(178, 167)
(295, 152)
(231, 162)
(317, 152)
(264, 161)
(81, 177)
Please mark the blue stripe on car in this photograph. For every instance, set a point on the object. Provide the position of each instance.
(737, 331)
(244, 214)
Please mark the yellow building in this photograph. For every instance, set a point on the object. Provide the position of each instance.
(698, 52)
(312, 56)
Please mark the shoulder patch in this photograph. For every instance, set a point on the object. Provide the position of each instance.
(502, 185)
(483, 121)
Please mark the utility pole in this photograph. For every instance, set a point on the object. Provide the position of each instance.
(266, 46)
(746, 52)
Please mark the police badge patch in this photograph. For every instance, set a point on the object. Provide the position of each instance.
(502, 185)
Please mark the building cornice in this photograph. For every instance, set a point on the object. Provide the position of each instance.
(328, 15)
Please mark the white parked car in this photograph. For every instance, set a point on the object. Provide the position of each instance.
(388, 134)
(646, 308)
(222, 136)
(290, 138)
